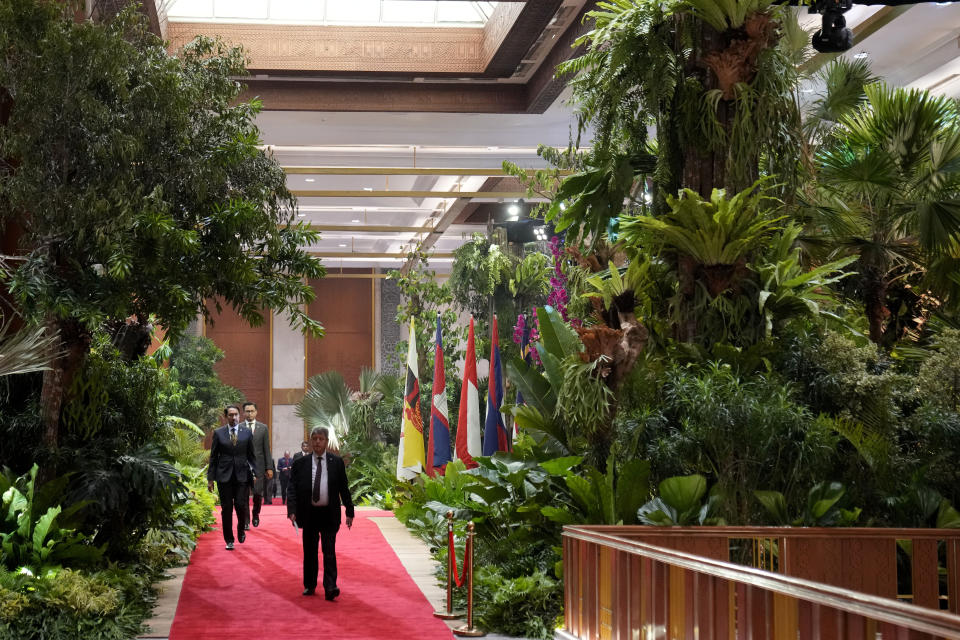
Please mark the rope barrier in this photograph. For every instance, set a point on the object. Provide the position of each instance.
(458, 579)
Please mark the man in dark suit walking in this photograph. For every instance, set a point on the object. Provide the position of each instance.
(304, 450)
(263, 459)
(231, 466)
(318, 484)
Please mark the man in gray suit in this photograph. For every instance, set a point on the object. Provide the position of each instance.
(263, 460)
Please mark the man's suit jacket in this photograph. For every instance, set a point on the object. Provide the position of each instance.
(300, 490)
(263, 460)
(229, 462)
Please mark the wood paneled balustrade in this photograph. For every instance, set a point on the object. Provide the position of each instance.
(760, 583)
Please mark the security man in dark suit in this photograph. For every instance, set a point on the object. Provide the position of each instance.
(318, 484)
(232, 467)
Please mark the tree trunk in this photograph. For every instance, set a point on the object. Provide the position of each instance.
(72, 348)
(875, 297)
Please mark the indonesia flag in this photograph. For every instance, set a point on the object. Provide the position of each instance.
(438, 445)
(410, 456)
(495, 435)
(468, 422)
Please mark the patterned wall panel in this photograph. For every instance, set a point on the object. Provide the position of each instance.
(345, 308)
(247, 362)
(389, 327)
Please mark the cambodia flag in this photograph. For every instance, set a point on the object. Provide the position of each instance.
(438, 444)
(468, 422)
(495, 434)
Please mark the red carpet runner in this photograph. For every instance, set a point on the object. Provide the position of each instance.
(254, 591)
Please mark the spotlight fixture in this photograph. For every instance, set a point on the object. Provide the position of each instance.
(513, 209)
(833, 36)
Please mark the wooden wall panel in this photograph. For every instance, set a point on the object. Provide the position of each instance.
(247, 362)
(345, 308)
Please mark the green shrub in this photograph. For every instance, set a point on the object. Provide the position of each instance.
(66, 604)
(527, 606)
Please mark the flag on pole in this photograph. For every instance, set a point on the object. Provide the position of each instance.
(438, 444)
(468, 422)
(410, 456)
(525, 354)
(495, 436)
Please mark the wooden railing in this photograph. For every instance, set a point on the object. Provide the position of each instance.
(830, 584)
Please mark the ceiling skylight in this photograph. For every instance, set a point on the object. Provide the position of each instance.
(439, 13)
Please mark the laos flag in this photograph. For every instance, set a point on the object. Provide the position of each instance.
(495, 434)
(438, 444)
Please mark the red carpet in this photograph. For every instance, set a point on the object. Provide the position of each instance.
(254, 591)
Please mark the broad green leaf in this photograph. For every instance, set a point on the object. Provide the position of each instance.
(633, 489)
(776, 506)
(822, 497)
(536, 389)
(556, 514)
(561, 466)
(683, 493)
(948, 517)
(555, 335)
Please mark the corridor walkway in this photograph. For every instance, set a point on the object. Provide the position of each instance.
(254, 591)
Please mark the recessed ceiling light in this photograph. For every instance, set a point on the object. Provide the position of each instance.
(342, 245)
(309, 180)
(368, 188)
(492, 148)
(355, 220)
(300, 215)
(861, 55)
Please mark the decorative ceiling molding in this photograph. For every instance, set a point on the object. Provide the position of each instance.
(272, 48)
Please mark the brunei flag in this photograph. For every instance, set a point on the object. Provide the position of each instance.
(438, 444)
(410, 456)
(468, 422)
(495, 435)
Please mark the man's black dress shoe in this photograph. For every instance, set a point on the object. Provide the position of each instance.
(308, 592)
(229, 546)
(246, 527)
(333, 593)
(256, 522)
(241, 537)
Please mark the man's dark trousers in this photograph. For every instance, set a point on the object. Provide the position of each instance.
(326, 535)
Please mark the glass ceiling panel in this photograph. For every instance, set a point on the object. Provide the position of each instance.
(340, 12)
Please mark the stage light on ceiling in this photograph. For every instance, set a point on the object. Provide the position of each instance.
(833, 35)
(861, 55)
(309, 180)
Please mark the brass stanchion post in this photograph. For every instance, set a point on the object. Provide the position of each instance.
(449, 614)
(468, 629)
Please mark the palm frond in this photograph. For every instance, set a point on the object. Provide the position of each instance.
(25, 351)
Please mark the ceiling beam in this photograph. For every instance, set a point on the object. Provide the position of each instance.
(405, 171)
(438, 229)
(369, 228)
(395, 256)
(306, 193)
(422, 97)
